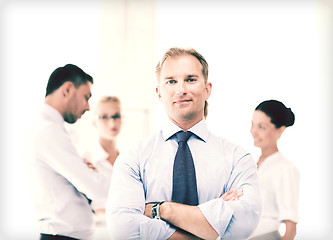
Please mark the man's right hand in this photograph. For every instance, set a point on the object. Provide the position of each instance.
(232, 195)
(148, 209)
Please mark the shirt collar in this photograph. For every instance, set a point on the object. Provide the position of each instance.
(270, 159)
(200, 130)
(99, 154)
(52, 114)
(273, 156)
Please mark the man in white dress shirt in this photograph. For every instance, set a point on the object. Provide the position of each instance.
(62, 184)
(141, 203)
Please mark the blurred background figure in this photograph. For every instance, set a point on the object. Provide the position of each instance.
(61, 184)
(102, 153)
(279, 178)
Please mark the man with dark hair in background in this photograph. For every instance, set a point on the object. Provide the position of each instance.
(61, 182)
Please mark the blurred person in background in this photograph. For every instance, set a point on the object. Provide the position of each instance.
(279, 178)
(61, 184)
(102, 153)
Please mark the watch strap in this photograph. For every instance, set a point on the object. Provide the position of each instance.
(155, 210)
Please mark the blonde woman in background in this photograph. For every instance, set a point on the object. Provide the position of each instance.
(279, 178)
(102, 154)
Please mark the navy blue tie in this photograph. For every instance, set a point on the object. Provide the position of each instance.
(184, 187)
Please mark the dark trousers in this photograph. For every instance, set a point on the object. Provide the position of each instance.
(55, 237)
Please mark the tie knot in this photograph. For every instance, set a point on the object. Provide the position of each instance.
(183, 136)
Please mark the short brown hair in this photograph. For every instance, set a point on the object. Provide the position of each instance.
(175, 51)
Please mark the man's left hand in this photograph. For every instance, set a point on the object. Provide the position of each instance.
(232, 195)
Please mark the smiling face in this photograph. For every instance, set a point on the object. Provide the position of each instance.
(182, 89)
(264, 133)
(109, 119)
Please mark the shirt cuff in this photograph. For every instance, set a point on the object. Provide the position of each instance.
(291, 215)
(218, 214)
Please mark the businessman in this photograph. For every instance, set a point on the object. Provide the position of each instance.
(61, 183)
(173, 184)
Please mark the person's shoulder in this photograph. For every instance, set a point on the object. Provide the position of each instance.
(49, 128)
(135, 154)
(42, 128)
(47, 118)
(223, 141)
(148, 142)
(227, 145)
(144, 144)
(284, 164)
(46, 129)
(93, 151)
(283, 160)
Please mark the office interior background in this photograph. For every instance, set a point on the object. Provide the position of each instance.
(257, 50)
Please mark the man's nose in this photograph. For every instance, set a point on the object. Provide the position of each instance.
(181, 88)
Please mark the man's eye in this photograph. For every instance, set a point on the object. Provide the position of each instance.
(191, 80)
(116, 116)
(171, 81)
(104, 117)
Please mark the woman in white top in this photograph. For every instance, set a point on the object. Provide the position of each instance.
(102, 154)
(279, 178)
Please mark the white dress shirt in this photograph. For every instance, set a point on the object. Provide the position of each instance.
(279, 185)
(144, 174)
(98, 157)
(60, 181)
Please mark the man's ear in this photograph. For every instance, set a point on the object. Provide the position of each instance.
(66, 88)
(208, 89)
(158, 93)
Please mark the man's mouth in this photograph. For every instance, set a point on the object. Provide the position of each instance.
(182, 101)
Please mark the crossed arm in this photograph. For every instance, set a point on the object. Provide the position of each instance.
(128, 216)
(189, 220)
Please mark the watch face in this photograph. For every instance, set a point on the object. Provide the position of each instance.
(153, 212)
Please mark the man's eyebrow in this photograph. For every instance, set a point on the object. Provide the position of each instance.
(188, 76)
(192, 75)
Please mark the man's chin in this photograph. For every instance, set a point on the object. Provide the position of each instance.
(71, 120)
(186, 116)
(257, 144)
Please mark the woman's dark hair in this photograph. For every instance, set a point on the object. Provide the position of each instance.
(70, 73)
(280, 115)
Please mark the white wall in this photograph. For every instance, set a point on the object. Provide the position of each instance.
(256, 51)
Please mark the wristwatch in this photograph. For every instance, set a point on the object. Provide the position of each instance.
(155, 210)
